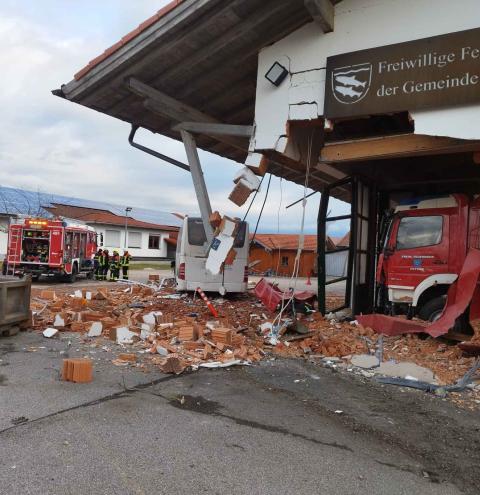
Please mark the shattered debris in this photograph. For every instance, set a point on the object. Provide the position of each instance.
(156, 328)
(222, 245)
(172, 333)
(245, 183)
(96, 329)
(50, 332)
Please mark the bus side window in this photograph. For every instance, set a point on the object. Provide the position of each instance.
(196, 232)
(240, 237)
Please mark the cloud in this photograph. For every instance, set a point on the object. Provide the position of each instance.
(54, 146)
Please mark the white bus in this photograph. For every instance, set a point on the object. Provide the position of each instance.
(191, 256)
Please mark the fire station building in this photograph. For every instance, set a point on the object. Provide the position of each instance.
(367, 102)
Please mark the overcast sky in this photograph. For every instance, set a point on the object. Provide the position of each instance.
(54, 146)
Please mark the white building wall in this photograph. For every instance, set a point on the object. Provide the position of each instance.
(143, 251)
(359, 24)
(3, 237)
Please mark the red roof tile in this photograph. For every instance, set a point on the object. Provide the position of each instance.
(127, 38)
(92, 215)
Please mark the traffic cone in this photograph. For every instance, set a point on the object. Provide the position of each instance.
(309, 282)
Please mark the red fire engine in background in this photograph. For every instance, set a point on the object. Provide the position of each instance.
(426, 242)
(41, 246)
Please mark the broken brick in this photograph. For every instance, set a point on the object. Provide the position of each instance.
(215, 219)
(77, 326)
(240, 192)
(91, 316)
(173, 364)
(187, 333)
(48, 295)
(78, 370)
(222, 335)
(128, 357)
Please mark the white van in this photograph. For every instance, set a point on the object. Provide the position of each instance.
(191, 257)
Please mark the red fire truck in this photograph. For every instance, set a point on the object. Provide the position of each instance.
(426, 242)
(41, 246)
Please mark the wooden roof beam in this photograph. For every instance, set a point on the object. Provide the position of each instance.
(165, 105)
(394, 147)
(323, 13)
(245, 27)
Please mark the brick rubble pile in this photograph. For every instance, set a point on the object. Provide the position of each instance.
(178, 332)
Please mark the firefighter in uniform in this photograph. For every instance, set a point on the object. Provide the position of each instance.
(43, 253)
(104, 262)
(114, 266)
(125, 264)
(97, 266)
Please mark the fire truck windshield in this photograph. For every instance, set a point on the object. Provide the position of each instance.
(415, 232)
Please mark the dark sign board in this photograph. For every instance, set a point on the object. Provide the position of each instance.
(428, 73)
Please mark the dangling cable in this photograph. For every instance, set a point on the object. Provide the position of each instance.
(301, 237)
(261, 210)
(278, 231)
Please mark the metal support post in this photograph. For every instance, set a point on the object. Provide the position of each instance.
(198, 182)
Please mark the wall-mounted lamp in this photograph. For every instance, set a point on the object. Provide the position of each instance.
(276, 74)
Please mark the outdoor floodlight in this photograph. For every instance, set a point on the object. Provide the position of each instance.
(276, 74)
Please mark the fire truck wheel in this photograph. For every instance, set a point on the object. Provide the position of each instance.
(432, 309)
(73, 276)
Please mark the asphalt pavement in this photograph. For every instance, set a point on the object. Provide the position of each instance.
(249, 430)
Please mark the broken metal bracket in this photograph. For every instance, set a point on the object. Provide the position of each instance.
(154, 153)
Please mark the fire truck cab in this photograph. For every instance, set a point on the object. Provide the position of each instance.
(41, 246)
(425, 242)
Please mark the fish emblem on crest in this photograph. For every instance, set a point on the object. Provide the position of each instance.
(350, 84)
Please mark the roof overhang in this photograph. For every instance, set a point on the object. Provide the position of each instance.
(196, 60)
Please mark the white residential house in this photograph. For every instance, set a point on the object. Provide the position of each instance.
(145, 241)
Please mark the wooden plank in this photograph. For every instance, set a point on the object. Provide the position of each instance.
(171, 107)
(242, 59)
(394, 147)
(328, 169)
(323, 13)
(244, 27)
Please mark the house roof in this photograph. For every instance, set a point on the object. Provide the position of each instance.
(203, 53)
(290, 242)
(285, 241)
(344, 241)
(96, 216)
(16, 201)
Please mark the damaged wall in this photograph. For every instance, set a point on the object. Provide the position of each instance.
(359, 24)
